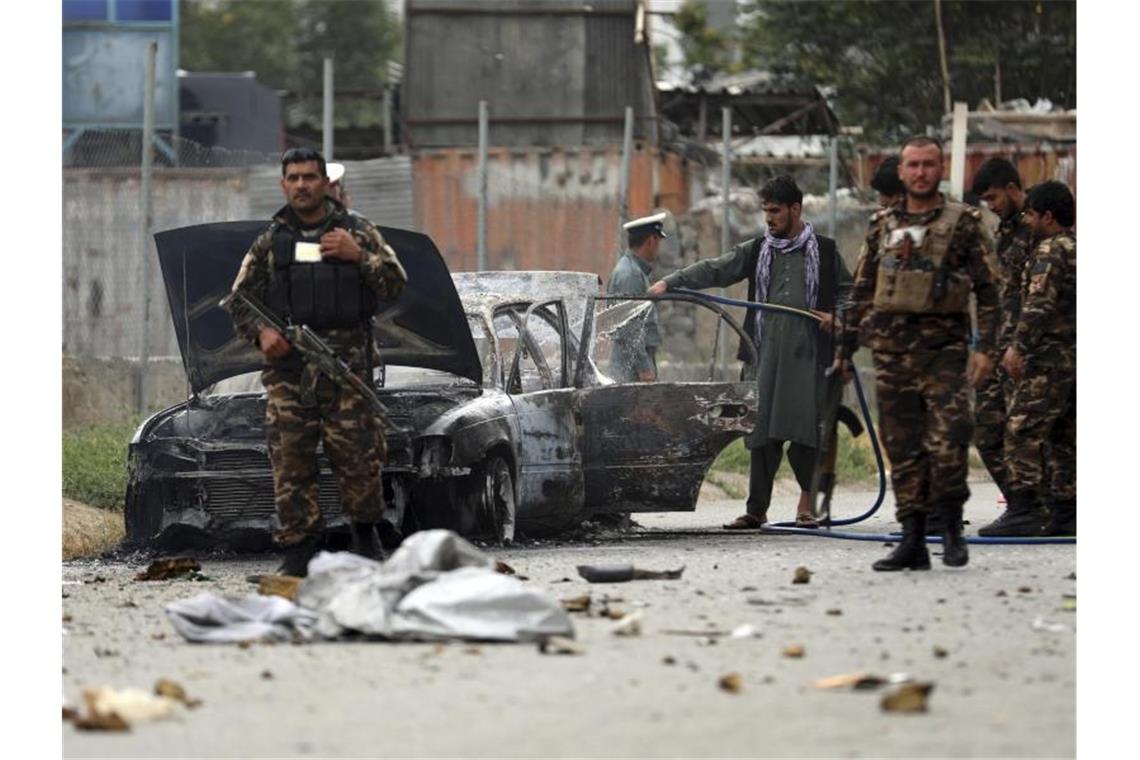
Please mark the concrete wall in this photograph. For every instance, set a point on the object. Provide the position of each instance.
(103, 254)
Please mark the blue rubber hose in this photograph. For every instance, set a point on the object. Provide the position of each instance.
(790, 528)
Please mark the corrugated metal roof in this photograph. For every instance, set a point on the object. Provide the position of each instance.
(380, 190)
(748, 83)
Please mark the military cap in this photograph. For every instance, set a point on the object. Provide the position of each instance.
(652, 223)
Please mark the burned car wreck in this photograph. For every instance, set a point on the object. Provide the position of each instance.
(502, 419)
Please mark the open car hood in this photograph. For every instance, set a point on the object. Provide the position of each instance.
(424, 327)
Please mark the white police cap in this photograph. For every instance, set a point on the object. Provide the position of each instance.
(334, 171)
(651, 223)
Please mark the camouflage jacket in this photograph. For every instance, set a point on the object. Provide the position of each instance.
(1014, 244)
(970, 252)
(379, 266)
(1047, 327)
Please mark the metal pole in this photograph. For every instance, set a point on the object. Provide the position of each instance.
(623, 179)
(832, 186)
(327, 123)
(387, 119)
(725, 238)
(144, 228)
(481, 232)
(958, 151)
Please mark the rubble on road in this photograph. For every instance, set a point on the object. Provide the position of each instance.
(165, 568)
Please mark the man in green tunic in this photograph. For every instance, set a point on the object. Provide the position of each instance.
(790, 265)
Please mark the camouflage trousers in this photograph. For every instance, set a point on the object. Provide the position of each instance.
(295, 422)
(990, 404)
(925, 424)
(1041, 435)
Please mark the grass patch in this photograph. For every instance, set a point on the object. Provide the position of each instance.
(89, 532)
(95, 463)
(854, 462)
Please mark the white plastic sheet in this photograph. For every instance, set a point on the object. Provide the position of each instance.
(436, 586)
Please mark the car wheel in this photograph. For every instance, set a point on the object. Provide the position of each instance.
(498, 502)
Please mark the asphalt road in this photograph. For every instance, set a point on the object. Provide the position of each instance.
(993, 638)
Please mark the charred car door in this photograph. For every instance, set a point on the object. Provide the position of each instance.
(538, 383)
(646, 446)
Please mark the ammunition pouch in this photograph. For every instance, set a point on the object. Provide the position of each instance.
(919, 275)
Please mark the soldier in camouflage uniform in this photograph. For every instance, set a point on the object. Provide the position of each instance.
(999, 185)
(318, 265)
(1041, 435)
(919, 263)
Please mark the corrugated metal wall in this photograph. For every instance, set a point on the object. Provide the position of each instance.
(547, 209)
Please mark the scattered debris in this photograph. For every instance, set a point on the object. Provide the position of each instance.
(786, 602)
(835, 612)
(745, 631)
(1024, 590)
(504, 568)
(694, 632)
(629, 625)
(559, 645)
(267, 675)
(1071, 576)
(858, 681)
(668, 660)
(623, 573)
(613, 613)
(794, 650)
(165, 568)
(1069, 602)
(1001, 593)
(940, 652)
(803, 575)
(577, 603)
(733, 683)
(910, 697)
(115, 710)
(749, 588)
(1041, 624)
(101, 652)
(473, 650)
(284, 586)
(167, 688)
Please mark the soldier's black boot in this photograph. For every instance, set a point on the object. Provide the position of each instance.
(366, 542)
(1062, 519)
(297, 556)
(911, 553)
(954, 550)
(1022, 517)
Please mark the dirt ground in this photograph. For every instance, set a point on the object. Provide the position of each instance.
(994, 639)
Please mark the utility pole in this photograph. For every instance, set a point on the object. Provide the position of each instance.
(327, 123)
(147, 212)
(481, 221)
(942, 57)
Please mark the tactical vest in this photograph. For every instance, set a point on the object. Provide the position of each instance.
(919, 276)
(323, 294)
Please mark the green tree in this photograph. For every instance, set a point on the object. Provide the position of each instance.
(285, 41)
(882, 57)
(705, 49)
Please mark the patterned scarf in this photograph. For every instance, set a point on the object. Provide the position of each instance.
(806, 240)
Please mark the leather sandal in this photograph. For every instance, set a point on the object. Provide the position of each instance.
(745, 522)
(806, 521)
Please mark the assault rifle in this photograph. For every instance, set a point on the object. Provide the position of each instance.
(315, 350)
